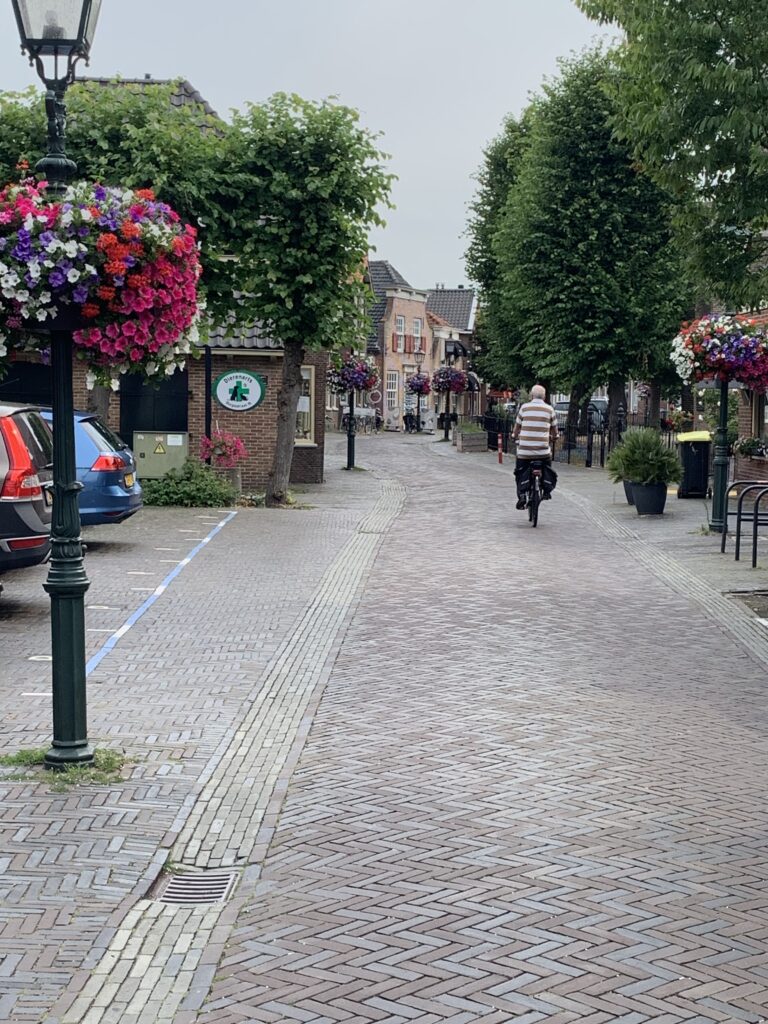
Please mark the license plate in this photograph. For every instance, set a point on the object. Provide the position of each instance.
(129, 479)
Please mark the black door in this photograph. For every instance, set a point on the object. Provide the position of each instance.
(28, 383)
(145, 407)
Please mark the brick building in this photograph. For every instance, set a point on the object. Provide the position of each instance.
(178, 404)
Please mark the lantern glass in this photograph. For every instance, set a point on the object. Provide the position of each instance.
(57, 27)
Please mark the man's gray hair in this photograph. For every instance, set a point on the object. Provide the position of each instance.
(537, 391)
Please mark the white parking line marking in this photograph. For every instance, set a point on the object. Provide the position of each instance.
(41, 657)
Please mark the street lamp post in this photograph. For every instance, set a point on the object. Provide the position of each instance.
(60, 33)
(720, 482)
(418, 358)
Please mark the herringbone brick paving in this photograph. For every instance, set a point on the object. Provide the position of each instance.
(170, 694)
(533, 791)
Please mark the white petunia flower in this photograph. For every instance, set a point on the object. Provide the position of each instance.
(90, 380)
(73, 276)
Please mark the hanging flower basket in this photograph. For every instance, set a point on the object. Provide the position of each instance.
(725, 348)
(354, 374)
(418, 384)
(116, 266)
(447, 379)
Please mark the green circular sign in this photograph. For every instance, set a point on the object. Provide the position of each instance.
(239, 390)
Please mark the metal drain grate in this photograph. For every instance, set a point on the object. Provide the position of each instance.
(197, 887)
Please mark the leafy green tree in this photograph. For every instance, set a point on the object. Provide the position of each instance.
(498, 356)
(590, 272)
(308, 183)
(692, 99)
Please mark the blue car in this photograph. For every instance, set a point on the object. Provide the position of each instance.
(107, 470)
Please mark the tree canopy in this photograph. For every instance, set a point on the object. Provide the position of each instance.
(587, 285)
(692, 100)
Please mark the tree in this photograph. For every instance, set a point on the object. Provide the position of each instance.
(692, 101)
(590, 273)
(497, 358)
(307, 183)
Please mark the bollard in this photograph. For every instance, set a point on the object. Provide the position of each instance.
(501, 448)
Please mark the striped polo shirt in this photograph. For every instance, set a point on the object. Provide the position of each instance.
(533, 427)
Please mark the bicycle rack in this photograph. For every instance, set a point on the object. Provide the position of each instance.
(753, 516)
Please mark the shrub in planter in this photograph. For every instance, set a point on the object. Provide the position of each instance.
(617, 471)
(750, 447)
(651, 466)
(195, 485)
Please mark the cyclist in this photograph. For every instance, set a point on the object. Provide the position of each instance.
(535, 432)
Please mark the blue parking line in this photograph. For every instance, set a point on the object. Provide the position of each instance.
(111, 642)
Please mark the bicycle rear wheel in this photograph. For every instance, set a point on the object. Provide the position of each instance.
(534, 502)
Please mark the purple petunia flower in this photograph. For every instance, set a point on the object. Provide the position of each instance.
(80, 294)
(56, 278)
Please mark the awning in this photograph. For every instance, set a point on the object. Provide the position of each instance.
(473, 381)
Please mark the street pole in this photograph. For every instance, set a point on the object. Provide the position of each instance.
(720, 486)
(418, 413)
(351, 432)
(67, 581)
(447, 421)
(208, 394)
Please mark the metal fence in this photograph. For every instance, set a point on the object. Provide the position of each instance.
(585, 443)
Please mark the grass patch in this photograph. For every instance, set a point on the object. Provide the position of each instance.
(105, 769)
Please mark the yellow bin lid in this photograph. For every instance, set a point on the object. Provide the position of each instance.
(695, 435)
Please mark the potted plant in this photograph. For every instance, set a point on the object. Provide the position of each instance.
(115, 265)
(616, 466)
(225, 452)
(651, 466)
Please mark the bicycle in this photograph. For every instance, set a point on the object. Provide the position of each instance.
(535, 492)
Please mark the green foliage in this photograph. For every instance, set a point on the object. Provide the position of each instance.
(615, 464)
(709, 404)
(645, 459)
(195, 485)
(692, 100)
(306, 182)
(105, 768)
(590, 283)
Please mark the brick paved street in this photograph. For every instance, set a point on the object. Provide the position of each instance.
(465, 771)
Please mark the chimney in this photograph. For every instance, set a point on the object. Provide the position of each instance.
(460, 287)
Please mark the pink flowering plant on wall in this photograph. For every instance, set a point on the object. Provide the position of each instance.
(223, 449)
(352, 374)
(447, 379)
(117, 260)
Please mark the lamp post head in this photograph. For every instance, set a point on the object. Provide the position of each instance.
(62, 29)
(418, 358)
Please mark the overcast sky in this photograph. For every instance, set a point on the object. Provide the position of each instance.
(436, 77)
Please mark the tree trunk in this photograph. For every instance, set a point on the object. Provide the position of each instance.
(617, 411)
(653, 405)
(98, 402)
(577, 395)
(287, 406)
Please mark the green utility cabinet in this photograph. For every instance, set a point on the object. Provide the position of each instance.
(156, 453)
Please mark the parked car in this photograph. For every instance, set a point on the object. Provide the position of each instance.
(107, 470)
(26, 472)
(598, 411)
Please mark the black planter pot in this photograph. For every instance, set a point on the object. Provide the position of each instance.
(68, 318)
(650, 499)
(628, 485)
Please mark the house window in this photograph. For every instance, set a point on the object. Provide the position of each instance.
(417, 334)
(305, 418)
(392, 387)
(399, 334)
